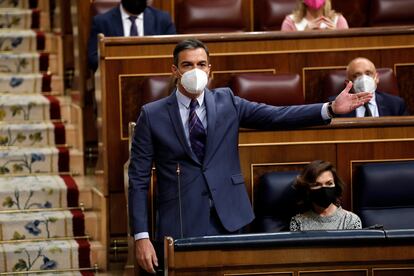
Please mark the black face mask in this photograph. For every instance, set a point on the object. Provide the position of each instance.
(323, 197)
(134, 6)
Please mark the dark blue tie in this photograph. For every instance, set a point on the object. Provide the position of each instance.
(197, 132)
(367, 110)
(134, 30)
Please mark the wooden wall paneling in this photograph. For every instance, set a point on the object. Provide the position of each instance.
(312, 82)
(407, 271)
(84, 21)
(257, 159)
(248, 14)
(356, 12)
(117, 224)
(165, 5)
(261, 152)
(405, 77)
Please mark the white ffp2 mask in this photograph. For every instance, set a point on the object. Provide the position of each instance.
(194, 81)
(364, 83)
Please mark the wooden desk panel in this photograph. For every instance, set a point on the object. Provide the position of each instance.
(294, 260)
(346, 143)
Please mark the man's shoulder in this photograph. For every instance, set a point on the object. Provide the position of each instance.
(159, 104)
(221, 91)
(108, 14)
(387, 97)
(221, 94)
(156, 12)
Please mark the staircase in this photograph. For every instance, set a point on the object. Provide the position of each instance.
(51, 218)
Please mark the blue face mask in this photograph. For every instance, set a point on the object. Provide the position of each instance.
(323, 197)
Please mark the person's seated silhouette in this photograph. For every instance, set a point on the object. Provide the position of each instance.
(130, 18)
(319, 190)
(361, 71)
(314, 15)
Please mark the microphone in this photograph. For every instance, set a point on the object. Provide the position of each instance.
(179, 198)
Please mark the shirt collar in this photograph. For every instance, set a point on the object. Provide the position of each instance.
(184, 100)
(125, 15)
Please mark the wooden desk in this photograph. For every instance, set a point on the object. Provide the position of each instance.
(346, 143)
(331, 254)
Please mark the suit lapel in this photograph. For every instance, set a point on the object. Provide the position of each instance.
(175, 116)
(211, 123)
(381, 107)
(148, 22)
(117, 21)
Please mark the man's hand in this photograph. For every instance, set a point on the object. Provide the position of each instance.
(145, 254)
(346, 102)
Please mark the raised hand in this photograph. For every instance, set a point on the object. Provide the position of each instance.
(345, 102)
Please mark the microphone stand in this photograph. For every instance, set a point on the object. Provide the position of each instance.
(179, 199)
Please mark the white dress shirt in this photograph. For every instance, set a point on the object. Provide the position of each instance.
(126, 23)
(372, 104)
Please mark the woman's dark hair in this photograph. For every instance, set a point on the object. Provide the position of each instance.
(191, 43)
(308, 177)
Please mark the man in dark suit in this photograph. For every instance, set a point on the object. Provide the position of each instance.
(362, 72)
(130, 18)
(192, 138)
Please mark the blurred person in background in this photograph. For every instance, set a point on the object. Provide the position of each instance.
(314, 15)
(129, 18)
(362, 72)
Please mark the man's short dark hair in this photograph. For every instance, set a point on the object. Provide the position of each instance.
(191, 43)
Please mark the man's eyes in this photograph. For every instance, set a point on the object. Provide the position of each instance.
(203, 65)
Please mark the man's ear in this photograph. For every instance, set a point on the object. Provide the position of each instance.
(376, 78)
(175, 71)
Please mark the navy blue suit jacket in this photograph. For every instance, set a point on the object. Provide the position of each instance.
(159, 137)
(156, 22)
(388, 105)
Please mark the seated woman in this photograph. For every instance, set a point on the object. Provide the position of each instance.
(319, 189)
(314, 15)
